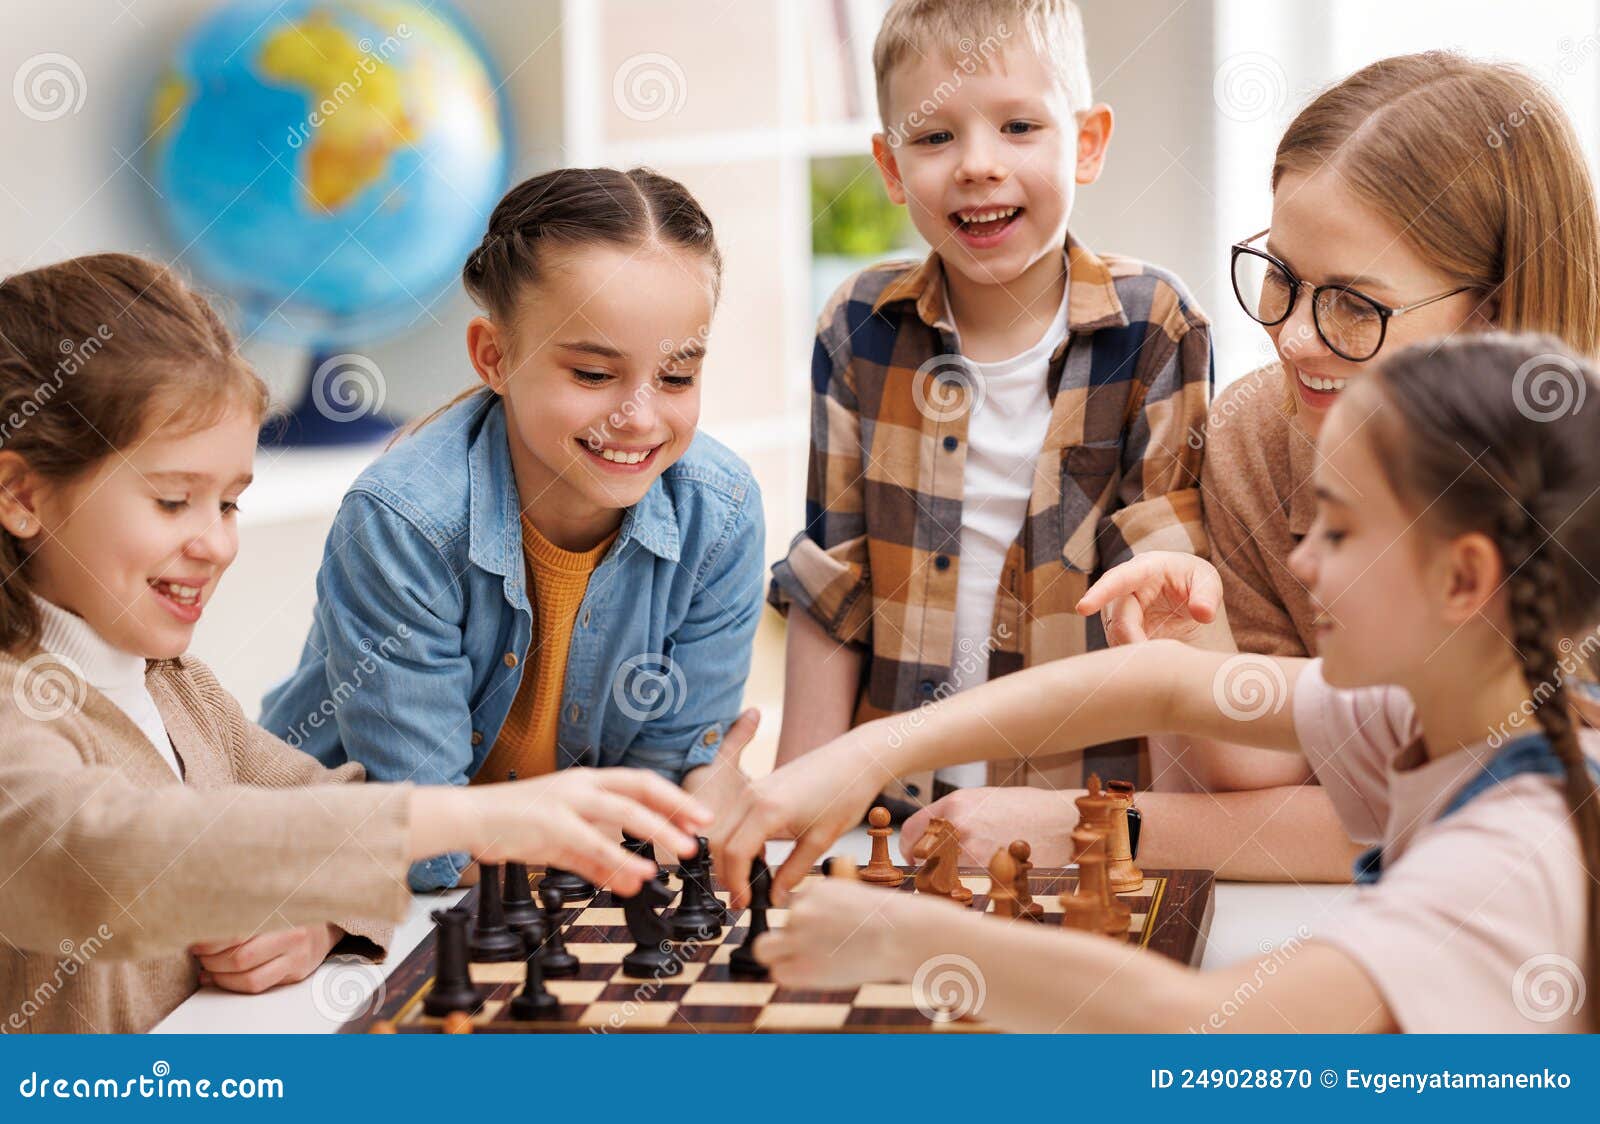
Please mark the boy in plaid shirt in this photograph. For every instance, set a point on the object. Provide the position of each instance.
(993, 427)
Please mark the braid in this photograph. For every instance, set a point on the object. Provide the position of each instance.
(1535, 608)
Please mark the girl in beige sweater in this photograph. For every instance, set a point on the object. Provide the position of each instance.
(150, 835)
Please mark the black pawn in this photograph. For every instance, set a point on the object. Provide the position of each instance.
(699, 913)
(572, 887)
(517, 902)
(556, 961)
(452, 988)
(743, 965)
(491, 940)
(533, 1002)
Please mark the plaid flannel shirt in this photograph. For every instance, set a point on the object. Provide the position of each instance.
(878, 561)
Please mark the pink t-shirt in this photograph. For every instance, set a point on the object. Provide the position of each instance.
(1479, 921)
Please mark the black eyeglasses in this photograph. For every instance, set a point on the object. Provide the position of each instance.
(1351, 323)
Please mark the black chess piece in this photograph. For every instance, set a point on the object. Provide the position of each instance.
(452, 988)
(742, 964)
(573, 888)
(645, 850)
(517, 903)
(491, 940)
(652, 956)
(699, 913)
(533, 1002)
(556, 961)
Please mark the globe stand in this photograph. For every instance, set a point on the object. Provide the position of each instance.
(326, 415)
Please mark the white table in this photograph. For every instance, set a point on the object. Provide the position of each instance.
(1248, 921)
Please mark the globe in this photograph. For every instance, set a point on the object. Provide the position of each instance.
(327, 164)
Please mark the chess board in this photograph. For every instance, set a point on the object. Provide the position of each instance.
(1171, 915)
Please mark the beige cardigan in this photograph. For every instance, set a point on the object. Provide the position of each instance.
(110, 867)
(1255, 487)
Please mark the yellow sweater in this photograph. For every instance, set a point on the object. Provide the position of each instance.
(557, 581)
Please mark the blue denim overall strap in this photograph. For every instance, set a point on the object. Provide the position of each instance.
(1530, 754)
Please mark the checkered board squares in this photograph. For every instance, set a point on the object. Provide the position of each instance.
(1171, 913)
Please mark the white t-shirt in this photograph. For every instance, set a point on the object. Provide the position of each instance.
(116, 674)
(1479, 920)
(1004, 436)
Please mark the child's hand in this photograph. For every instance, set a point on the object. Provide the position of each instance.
(1161, 594)
(812, 800)
(258, 964)
(840, 933)
(573, 819)
(721, 785)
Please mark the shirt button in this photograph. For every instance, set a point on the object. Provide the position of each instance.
(927, 688)
(477, 737)
(586, 618)
(511, 659)
(950, 444)
(710, 737)
(942, 562)
(573, 711)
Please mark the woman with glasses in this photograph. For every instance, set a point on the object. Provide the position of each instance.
(1422, 197)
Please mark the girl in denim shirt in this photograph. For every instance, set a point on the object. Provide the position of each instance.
(554, 569)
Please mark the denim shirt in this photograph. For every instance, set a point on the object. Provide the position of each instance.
(423, 621)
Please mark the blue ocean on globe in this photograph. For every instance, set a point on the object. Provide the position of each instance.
(328, 164)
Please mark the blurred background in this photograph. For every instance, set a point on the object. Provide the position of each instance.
(231, 138)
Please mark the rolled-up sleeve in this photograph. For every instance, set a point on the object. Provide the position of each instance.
(826, 571)
(1158, 497)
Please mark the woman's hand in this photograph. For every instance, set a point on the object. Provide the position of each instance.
(573, 819)
(255, 964)
(1162, 594)
(987, 819)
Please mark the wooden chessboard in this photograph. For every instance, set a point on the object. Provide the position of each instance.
(1171, 915)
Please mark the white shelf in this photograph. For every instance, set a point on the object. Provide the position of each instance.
(298, 484)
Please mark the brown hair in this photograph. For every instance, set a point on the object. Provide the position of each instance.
(96, 352)
(1478, 166)
(1484, 434)
(572, 207)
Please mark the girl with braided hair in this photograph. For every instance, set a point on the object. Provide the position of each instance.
(1452, 564)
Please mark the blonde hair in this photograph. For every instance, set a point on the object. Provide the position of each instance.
(1478, 166)
(972, 31)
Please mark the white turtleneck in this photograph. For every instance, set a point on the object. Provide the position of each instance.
(116, 674)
